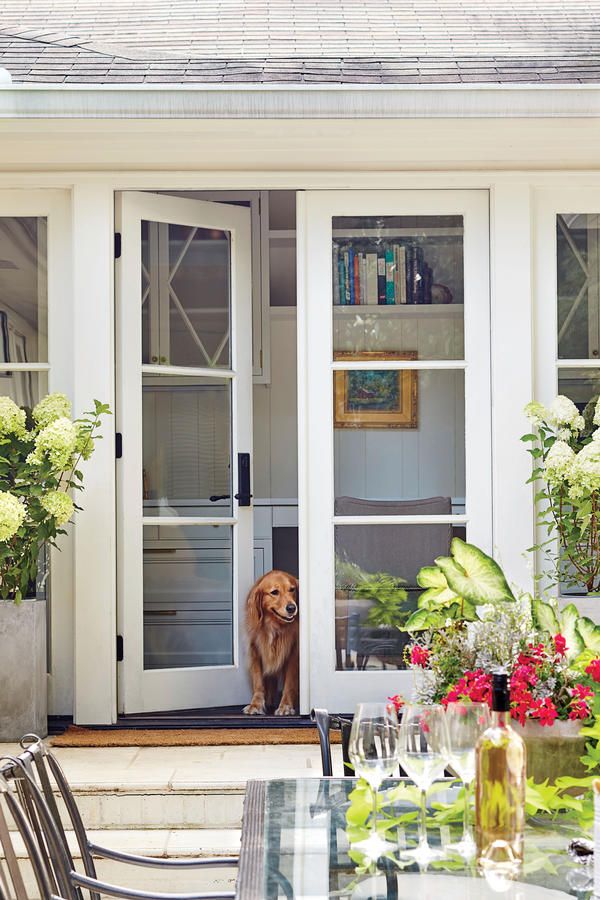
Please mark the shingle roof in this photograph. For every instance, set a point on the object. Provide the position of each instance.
(348, 41)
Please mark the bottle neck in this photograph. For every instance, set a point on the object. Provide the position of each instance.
(500, 718)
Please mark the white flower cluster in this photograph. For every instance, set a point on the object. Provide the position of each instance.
(57, 442)
(51, 408)
(497, 635)
(59, 505)
(12, 514)
(561, 413)
(12, 418)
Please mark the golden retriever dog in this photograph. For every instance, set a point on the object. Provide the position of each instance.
(272, 626)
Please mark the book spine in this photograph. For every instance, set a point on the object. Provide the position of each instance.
(346, 277)
(357, 284)
(380, 276)
(341, 278)
(336, 275)
(402, 274)
(363, 277)
(351, 274)
(389, 276)
(371, 269)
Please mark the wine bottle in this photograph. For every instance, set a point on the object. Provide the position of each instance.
(500, 781)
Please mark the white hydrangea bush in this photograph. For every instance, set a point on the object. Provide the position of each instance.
(40, 453)
(565, 446)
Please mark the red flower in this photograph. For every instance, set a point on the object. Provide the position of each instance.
(398, 702)
(545, 711)
(593, 670)
(474, 686)
(560, 644)
(582, 692)
(419, 656)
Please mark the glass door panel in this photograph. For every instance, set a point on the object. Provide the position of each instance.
(393, 476)
(187, 556)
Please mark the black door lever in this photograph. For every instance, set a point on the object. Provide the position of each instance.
(243, 496)
(214, 497)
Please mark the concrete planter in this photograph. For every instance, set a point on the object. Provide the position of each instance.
(552, 750)
(23, 696)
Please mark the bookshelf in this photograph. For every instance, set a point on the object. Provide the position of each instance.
(402, 310)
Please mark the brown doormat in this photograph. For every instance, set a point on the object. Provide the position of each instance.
(76, 736)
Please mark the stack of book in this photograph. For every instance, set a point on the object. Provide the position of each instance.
(385, 273)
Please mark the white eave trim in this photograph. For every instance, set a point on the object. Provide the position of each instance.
(298, 101)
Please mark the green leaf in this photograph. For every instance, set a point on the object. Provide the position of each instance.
(545, 617)
(474, 575)
(590, 634)
(568, 628)
(431, 577)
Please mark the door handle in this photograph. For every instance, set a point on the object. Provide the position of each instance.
(244, 496)
(215, 497)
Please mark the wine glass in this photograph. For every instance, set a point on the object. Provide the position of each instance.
(466, 721)
(373, 751)
(423, 755)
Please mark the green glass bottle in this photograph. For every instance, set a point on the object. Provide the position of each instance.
(500, 781)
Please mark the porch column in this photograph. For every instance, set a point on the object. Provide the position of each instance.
(512, 378)
(95, 540)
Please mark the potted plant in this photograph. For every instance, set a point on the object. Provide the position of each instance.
(40, 454)
(565, 447)
(387, 614)
(553, 657)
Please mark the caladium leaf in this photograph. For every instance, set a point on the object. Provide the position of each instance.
(569, 619)
(431, 577)
(474, 575)
(590, 634)
(545, 617)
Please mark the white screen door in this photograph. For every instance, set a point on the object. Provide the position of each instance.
(185, 414)
(394, 392)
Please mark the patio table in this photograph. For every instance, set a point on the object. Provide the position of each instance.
(294, 844)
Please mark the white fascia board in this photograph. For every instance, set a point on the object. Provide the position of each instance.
(260, 101)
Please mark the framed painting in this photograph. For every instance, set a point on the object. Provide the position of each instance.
(373, 398)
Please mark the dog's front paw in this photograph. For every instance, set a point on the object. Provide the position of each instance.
(284, 709)
(255, 709)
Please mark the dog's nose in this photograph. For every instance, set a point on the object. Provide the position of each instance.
(290, 609)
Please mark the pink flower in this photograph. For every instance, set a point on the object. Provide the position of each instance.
(398, 702)
(545, 711)
(419, 656)
(593, 670)
(560, 644)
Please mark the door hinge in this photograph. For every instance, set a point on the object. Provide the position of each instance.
(119, 648)
(117, 244)
(118, 445)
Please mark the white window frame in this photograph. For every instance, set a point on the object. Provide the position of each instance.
(326, 686)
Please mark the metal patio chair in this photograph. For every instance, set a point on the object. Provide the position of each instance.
(12, 883)
(36, 774)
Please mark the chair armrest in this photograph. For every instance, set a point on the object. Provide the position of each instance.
(115, 890)
(160, 862)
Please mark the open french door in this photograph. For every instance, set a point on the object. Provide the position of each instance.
(184, 388)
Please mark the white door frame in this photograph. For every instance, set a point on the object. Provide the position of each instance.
(340, 690)
(147, 690)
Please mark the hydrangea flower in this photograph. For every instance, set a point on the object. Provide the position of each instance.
(563, 412)
(56, 442)
(584, 473)
(536, 412)
(559, 462)
(12, 515)
(59, 505)
(12, 418)
(51, 408)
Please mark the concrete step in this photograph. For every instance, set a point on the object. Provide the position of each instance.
(162, 844)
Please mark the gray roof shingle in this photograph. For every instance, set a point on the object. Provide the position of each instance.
(281, 41)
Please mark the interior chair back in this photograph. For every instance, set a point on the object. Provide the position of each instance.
(45, 848)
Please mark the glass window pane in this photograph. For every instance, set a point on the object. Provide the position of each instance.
(376, 589)
(578, 286)
(580, 385)
(23, 289)
(186, 446)
(185, 295)
(399, 442)
(406, 275)
(188, 591)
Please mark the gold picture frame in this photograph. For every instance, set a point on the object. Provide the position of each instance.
(375, 398)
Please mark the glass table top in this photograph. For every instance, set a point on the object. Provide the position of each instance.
(299, 848)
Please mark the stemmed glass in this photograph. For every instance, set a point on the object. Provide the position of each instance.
(466, 721)
(373, 751)
(423, 754)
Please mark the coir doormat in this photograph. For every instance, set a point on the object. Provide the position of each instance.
(76, 736)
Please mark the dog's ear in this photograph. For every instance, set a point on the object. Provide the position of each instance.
(254, 610)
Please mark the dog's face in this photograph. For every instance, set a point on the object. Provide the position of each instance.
(278, 597)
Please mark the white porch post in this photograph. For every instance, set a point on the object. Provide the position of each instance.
(95, 542)
(512, 378)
